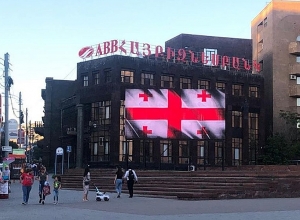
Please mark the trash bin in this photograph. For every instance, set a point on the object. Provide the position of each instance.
(4, 190)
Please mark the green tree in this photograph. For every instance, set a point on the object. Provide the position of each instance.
(277, 150)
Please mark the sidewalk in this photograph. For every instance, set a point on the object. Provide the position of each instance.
(72, 207)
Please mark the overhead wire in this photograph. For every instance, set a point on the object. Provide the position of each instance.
(13, 110)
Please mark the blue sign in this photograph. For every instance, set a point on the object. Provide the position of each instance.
(69, 149)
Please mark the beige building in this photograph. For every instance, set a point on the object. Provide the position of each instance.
(276, 46)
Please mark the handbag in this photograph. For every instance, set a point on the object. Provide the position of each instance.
(46, 190)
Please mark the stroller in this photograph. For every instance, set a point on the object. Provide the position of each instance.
(101, 195)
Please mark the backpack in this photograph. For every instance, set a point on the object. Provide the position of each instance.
(27, 180)
(131, 175)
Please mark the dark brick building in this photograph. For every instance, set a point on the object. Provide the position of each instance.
(89, 114)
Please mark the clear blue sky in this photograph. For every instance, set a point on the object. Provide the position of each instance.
(43, 37)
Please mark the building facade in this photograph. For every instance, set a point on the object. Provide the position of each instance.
(92, 118)
(276, 46)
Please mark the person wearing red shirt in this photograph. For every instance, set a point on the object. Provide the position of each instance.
(27, 180)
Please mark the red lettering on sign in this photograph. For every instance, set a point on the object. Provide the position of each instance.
(106, 47)
(114, 46)
(146, 47)
(99, 51)
(204, 58)
(170, 53)
(181, 55)
(121, 47)
(134, 47)
(236, 63)
(159, 51)
(256, 65)
(193, 58)
(215, 59)
(225, 61)
(246, 64)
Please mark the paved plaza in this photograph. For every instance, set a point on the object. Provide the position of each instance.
(72, 207)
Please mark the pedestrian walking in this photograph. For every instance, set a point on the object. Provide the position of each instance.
(56, 188)
(27, 180)
(86, 183)
(42, 178)
(119, 181)
(35, 169)
(131, 178)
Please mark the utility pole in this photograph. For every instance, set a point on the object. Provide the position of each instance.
(7, 86)
(20, 120)
(26, 121)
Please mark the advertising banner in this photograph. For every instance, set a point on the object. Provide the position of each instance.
(164, 113)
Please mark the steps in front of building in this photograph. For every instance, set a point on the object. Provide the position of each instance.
(248, 183)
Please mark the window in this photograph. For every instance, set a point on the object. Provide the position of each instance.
(107, 75)
(253, 137)
(85, 81)
(261, 65)
(101, 113)
(260, 45)
(183, 152)
(236, 119)
(253, 91)
(185, 83)
(203, 84)
(127, 76)
(166, 81)
(125, 149)
(147, 79)
(236, 151)
(146, 151)
(265, 22)
(237, 90)
(202, 151)
(220, 86)
(209, 53)
(99, 151)
(260, 27)
(166, 151)
(96, 77)
(218, 152)
(298, 102)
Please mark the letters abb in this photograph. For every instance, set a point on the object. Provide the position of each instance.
(181, 55)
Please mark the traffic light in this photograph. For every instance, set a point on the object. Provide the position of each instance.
(21, 117)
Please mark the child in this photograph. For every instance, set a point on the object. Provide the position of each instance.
(56, 187)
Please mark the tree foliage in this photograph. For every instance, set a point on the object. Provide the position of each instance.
(284, 147)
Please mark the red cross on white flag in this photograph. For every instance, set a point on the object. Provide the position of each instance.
(167, 114)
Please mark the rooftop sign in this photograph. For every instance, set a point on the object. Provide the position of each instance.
(207, 57)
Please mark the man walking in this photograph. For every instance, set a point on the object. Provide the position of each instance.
(131, 178)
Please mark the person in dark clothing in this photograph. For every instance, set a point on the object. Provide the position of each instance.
(131, 178)
(42, 177)
(119, 181)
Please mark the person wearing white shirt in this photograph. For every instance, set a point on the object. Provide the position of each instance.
(131, 178)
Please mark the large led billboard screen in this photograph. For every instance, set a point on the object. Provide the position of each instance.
(164, 113)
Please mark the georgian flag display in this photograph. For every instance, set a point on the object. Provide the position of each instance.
(164, 113)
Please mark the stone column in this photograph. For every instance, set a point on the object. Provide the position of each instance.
(79, 148)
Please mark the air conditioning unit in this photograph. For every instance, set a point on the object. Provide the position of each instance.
(293, 77)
